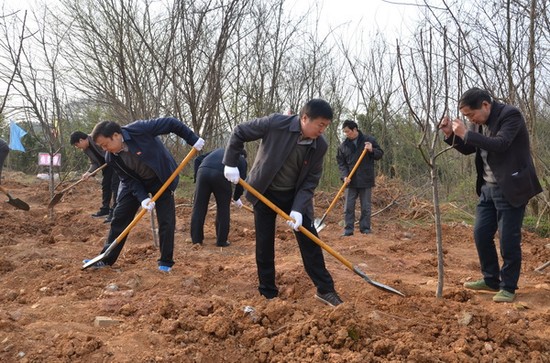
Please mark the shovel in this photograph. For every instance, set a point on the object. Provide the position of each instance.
(154, 228)
(319, 225)
(316, 239)
(16, 202)
(57, 197)
(142, 212)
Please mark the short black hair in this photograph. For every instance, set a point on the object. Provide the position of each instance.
(317, 107)
(105, 129)
(474, 98)
(350, 124)
(77, 136)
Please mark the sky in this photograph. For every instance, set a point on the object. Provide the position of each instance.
(390, 17)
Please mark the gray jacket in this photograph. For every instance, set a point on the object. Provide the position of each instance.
(279, 134)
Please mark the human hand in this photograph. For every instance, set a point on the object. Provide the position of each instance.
(297, 222)
(237, 203)
(232, 174)
(148, 204)
(199, 144)
(347, 180)
(368, 146)
(459, 128)
(446, 126)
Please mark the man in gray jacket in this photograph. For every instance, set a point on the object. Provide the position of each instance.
(287, 169)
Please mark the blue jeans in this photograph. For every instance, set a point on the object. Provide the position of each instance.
(494, 213)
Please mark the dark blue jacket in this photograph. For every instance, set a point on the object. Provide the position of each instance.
(142, 140)
(213, 160)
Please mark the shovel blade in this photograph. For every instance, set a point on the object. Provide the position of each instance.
(18, 203)
(319, 225)
(100, 257)
(377, 284)
(56, 199)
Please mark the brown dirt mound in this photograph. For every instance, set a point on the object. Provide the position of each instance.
(208, 308)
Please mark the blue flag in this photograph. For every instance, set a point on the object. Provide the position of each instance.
(16, 133)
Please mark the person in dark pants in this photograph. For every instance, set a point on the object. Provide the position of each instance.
(4, 151)
(361, 183)
(287, 169)
(109, 183)
(143, 164)
(210, 179)
(506, 180)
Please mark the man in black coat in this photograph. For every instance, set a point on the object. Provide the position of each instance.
(506, 180)
(361, 183)
(210, 180)
(4, 151)
(109, 183)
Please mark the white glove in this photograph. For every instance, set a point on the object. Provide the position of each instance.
(232, 174)
(238, 203)
(147, 204)
(199, 144)
(297, 216)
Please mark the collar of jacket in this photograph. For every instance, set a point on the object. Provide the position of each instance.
(296, 127)
(496, 109)
(360, 138)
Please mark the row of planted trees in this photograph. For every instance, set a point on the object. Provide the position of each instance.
(216, 63)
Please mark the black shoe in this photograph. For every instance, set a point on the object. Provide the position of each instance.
(366, 231)
(347, 234)
(101, 213)
(109, 218)
(224, 244)
(330, 298)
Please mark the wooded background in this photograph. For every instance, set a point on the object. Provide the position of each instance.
(216, 63)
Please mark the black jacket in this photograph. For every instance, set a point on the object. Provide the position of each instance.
(347, 156)
(508, 153)
(213, 160)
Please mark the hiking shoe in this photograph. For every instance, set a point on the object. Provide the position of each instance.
(225, 244)
(346, 234)
(330, 298)
(165, 268)
(479, 285)
(97, 265)
(504, 296)
(101, 213)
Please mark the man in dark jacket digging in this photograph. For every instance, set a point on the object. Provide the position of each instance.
(286, 171)
(361, 183)
(210, 180)
(143, 164)
(109, 184)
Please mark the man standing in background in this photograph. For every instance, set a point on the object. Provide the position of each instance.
(361, 183)
(4, 151)
(109, 184)
(506, 180)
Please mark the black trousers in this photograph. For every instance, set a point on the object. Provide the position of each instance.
(109, 188)
(211, 181)
(125, 212)
(312, 254)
